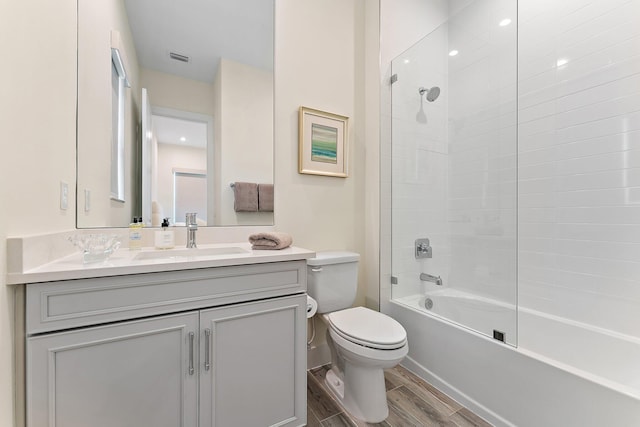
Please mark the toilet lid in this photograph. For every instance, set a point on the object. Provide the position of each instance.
(369, 328)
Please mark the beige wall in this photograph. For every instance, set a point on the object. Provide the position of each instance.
(318, 65)
(169, 91)
(37, 118)
(215, 159)
(370, 100)
(245, 138)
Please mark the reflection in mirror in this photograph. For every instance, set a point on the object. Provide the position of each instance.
(119, 82)
(177, 138)
(195, 114)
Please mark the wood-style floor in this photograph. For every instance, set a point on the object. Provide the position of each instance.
(412, 402)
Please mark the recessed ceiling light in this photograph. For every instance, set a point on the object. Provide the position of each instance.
(562, 61)
(183, 139)
(453, 52)
(505, 22)
(406, 61)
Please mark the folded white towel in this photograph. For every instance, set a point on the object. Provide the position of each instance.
(270, 240)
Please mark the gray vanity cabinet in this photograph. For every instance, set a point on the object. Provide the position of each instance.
(219, 347)
(127, 374)
(249, 367)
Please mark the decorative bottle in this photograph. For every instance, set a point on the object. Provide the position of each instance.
(135, 235)
(165, 238)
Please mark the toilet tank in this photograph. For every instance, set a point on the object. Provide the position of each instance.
(332, 280)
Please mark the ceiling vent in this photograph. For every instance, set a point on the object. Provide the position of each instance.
(178, 57)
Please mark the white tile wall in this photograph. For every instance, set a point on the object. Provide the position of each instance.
(482, 161)
(419, 162)
(579, 161)
(454, 177)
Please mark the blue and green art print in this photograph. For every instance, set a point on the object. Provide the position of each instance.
(324, 143)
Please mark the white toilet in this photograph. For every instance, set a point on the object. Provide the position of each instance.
(363, 342)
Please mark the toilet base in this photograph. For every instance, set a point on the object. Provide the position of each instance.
(335, 384)
(361, 393)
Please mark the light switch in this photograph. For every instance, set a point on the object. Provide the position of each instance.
(64, 195)
(87, 200)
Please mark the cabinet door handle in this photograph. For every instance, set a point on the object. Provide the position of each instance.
(191, 338)
(207, 337)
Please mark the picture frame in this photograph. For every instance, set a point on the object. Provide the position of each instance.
(323, 143)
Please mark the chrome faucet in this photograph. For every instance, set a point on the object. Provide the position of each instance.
(429, 278)
(192, 227)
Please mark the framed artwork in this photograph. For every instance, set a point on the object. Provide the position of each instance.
(322, 145)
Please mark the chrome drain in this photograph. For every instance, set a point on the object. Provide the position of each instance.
(428, 303)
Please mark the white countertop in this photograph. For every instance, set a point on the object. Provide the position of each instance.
(123, 262)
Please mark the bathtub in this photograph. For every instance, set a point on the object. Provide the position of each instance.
(561, 373)
(467, 310)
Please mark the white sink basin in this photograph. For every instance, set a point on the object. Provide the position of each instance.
(189, 253)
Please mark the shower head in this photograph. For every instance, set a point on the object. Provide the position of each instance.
(432, 94)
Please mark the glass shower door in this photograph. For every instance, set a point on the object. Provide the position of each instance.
(454, 169)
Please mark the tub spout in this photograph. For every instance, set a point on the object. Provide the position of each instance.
(429, 278)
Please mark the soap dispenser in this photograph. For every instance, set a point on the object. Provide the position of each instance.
(135, 234)
(165, 238)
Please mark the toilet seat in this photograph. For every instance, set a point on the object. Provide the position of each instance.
(368, 328)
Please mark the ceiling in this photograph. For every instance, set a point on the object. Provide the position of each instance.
(170, 130)
(203, 30)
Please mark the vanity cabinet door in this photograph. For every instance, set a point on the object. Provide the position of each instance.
(139, 373)
(253, 364)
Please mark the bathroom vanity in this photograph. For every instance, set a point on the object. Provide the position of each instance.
(213, 340)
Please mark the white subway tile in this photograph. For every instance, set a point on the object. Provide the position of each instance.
(607, 197)
(612, 21)
(601, 145)
(537, 200)
(600, 109)
(600, 162)
(537, 156)
(610, 126)
(537, 185)
(610, 90)
(538, 230)
(617, 251)
(537, 170)
(533, 127)
(600, 214)
(537, 215)
(619, 178)
(536, 141)
(598, 266)
(600, 68)
(629, 233)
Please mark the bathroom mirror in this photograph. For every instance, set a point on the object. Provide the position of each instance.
(204, 123)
